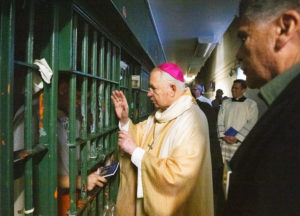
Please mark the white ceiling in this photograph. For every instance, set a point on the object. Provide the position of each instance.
(180, 23)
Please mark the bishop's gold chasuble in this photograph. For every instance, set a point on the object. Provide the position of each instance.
(176, 168)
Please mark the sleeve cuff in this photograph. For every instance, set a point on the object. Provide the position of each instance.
(242, 134)
(221, 134)
(125, 127)
(239, 137)
(137, 156)
(221, 130)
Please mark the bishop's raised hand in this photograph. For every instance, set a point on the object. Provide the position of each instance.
(121, 106)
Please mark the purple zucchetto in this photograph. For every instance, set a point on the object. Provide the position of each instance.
(173, 69)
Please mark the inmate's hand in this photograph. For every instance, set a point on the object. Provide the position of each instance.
(121, 106)
(230, 139)
(126, 142)
(94, 179)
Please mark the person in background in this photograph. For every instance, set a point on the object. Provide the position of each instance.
(216, 103)
(240, 113)
(266, 168)
(197, 91)
(165, 160)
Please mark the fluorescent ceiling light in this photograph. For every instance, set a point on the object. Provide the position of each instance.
(206, 50)
(202, 49)
(189, 79)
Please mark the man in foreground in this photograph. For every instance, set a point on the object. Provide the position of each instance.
(266, 168)
(166, 167)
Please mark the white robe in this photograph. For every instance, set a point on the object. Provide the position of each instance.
(242, 116)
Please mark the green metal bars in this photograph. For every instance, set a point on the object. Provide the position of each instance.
(28, 139)
(95, 62)
(144, 105)
(75, 45)
(6, 101)
(28, 154)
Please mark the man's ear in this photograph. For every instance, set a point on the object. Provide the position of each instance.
(287, 25)
(173, 89)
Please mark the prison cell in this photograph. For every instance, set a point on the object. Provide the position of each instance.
(76, 46)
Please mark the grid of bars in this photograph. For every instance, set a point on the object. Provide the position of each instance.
(94, 60)
(26, 153)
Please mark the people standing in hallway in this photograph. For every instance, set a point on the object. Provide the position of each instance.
(239, 113)
(165, 164)
(197, 91)
(266, 168)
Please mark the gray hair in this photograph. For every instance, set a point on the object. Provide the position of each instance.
(171, 80)
(266, 10)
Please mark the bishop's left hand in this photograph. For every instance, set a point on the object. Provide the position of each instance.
(126, 142)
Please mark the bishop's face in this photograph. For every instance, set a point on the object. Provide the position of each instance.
(159, 91)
